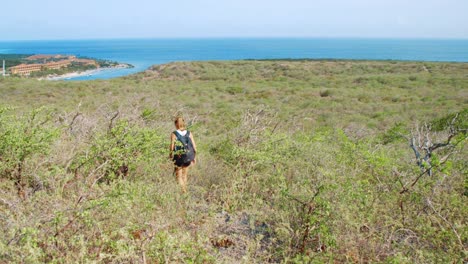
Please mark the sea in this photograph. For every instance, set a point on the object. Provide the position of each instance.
(143, 53)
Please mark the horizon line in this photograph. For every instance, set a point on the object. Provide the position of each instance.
(239, 37)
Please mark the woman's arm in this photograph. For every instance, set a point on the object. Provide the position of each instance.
(171, 147)
(193, 142)
(194, 148)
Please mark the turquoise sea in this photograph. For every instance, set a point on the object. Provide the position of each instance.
(143, 53)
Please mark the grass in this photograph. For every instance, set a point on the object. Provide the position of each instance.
(299, 162)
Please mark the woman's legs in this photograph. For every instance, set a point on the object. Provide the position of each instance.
(185, 174)
(181, 176)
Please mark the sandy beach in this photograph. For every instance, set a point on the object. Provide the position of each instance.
(70, 75)
(83, 73)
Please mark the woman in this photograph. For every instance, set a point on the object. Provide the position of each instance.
(182, 137)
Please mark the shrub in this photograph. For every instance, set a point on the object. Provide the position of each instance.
(23, 137)
(118, 151)
(325, 93)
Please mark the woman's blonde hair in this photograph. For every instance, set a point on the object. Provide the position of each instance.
(180, 123)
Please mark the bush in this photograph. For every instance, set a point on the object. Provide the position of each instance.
(22, 138)
(325, 93)
(118, 151)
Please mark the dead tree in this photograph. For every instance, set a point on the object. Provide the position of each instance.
(423, 143)
(423, 146)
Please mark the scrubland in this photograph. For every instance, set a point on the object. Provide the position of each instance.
(298, 162)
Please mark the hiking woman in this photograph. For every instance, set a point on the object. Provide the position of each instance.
(182, 151)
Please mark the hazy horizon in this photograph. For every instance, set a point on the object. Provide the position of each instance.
(238, 37)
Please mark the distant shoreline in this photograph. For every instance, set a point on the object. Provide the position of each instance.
(148, 52)
(71, 75)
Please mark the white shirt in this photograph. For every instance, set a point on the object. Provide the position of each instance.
(182, 133)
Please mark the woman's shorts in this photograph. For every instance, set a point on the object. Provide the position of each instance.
(178, 164)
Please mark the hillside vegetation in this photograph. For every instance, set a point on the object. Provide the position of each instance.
(299, 162)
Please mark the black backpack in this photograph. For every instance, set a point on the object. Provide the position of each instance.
(184, 153)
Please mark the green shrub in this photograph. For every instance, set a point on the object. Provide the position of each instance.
(325, 93)
(23, 137)
(119, 150)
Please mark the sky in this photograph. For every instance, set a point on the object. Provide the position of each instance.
(98, 19)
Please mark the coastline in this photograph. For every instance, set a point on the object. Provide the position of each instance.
(71, 75)
(145, 53)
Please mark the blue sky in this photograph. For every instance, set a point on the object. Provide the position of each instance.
(91, 19)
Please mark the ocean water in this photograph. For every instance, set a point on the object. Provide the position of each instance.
(143, 53)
